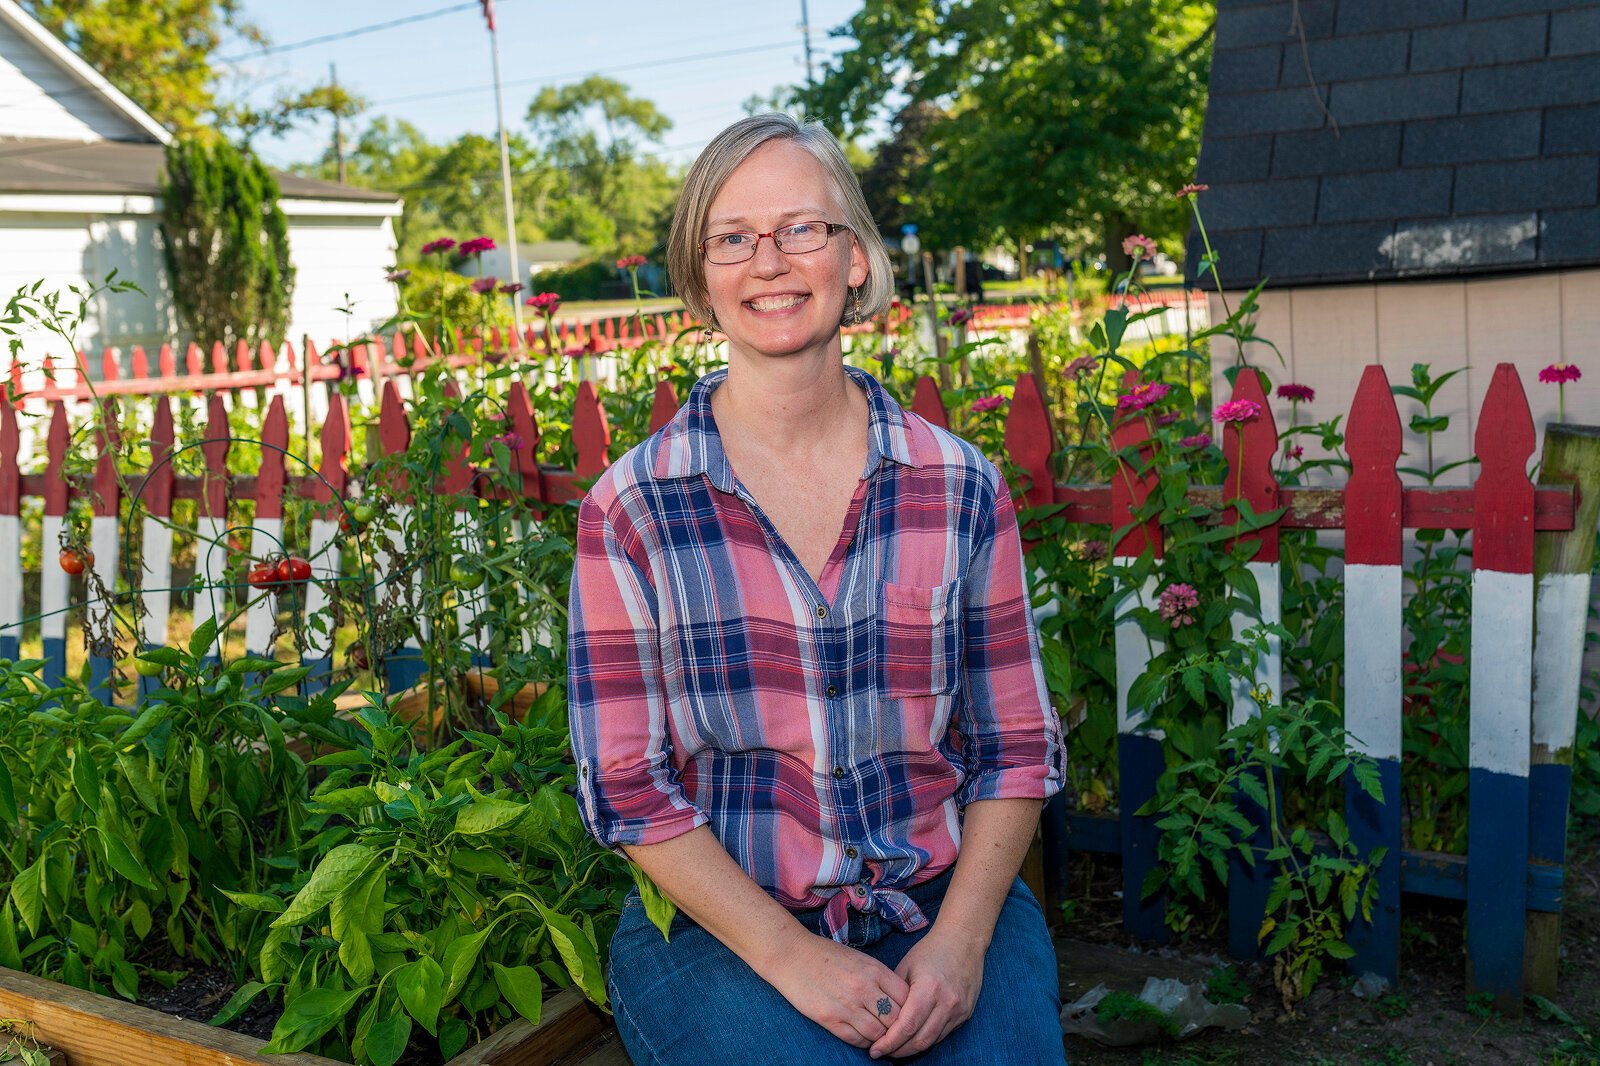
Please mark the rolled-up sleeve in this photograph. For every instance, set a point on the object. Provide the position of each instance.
(628, 787)
(1011, 736)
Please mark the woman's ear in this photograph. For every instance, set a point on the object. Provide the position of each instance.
(859, 267)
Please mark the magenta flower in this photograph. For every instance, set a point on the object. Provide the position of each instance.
(443, 244)
(1191, 189)
(1084, 364)
(476, 246)
(1166, 418)
(1297, 393)
(1094, 550)
(1296, 452)
(1199, 440)
(512, 289)
(1143, 396)
(545, 302)
(1237, 411)
(960, 316)
(1138, 246)
(987, 403)
(397, 275)
(512, 441)
(1559, 374)
(484, 286)
(631, 262)
(1177, 602)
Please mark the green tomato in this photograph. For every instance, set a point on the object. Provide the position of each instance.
(146, 667)
(466, 575)
(363, 513)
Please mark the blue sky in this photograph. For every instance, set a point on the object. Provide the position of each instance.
(436, 72)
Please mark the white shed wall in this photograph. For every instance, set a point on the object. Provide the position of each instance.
(40, 99)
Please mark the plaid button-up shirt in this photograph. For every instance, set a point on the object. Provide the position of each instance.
(830, 733)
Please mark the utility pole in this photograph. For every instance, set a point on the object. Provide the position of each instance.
(805, 30)
(338, 125)
(505, 167)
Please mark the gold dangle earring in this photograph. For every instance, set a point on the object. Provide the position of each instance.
(711, 330)
(852, 313)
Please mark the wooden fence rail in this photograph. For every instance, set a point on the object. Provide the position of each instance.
(1532, 552)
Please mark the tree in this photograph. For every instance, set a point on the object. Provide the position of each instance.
(1059, 116)
(594, 133)
(158, 52)
(226, 243)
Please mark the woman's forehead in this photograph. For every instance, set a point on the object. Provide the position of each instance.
(777, 183)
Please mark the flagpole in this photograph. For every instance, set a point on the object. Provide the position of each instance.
(505, 171)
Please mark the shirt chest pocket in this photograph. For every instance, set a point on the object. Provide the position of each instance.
(919, 640)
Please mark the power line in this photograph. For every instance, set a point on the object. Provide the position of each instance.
(274, 49)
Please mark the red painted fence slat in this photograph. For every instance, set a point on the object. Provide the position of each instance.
(1249, 447)
(927, 402)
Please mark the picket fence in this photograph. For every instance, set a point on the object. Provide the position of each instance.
(1528, 621)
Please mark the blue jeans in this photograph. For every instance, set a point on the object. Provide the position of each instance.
(693, 1001)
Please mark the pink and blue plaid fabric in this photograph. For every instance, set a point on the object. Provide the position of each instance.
(830, 733)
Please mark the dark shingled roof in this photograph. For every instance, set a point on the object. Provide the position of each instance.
(1401, 138)
(128, 168)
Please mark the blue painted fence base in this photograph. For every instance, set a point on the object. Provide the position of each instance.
(11, 648)
(1375, 824)
(55, 660)
(1497, 885)
(100, 678)
(1140, 764)
(1249, 885)
(1549, 791)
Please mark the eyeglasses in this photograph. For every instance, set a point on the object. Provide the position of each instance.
(794, 239)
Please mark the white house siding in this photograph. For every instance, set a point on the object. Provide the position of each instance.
(1328, 334)
(335, 256)
(40, 99)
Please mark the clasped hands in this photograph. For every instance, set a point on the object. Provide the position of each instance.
(897, 1012)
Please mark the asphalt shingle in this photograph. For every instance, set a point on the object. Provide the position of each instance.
(1472, 138)
(1565, 181)
(1386, 194)
(1371, 55)
(1388, 99)
(1328, 151)
(1475, 44)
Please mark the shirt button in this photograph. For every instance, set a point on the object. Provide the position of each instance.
(822, 611)
(850, 853)
(860, 891)
(832, 691)
(838, 771)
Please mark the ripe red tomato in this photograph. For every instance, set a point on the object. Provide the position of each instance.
(293, 570)
(263, 576)
(75, 563)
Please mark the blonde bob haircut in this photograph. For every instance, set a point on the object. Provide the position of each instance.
(718, 162)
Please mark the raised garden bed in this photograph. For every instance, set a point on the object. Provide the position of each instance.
(91, 1030)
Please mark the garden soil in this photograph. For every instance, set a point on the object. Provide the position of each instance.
(1426, 1021)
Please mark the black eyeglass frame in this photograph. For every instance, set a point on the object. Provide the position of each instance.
(832, 228)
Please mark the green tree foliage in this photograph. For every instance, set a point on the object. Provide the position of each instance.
(158, 52)
(611, 195)
(1056, 116)
(226, 243)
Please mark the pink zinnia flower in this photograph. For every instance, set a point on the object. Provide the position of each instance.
(1137, 246)
(512, 441)
(443, 244)
(1559, 374)
(631, 262)
(1237, 411)
(1199, 440)
(1296, 452)
(960, 316)
(1191, 189)
(1143, 396)
(1177, 602)
(1084, 364)
(512, 289)
(484, 285)
(545, 302)
(987, 403)
(1297, 393)
(1094, 550)
(477, 246)
(1166, 418)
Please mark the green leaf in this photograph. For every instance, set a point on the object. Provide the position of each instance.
(460, 957)
(387, 1039)
(337, 871)
(85, 777)
(355, 915)
(657, 907)
(204, 635)
(452, 1037)
(348, 798)
(123, 860)
(241, 998)
(256, 901)
(137, 773)
(284, 679)
(578, 952)
(148, 719)
(27, 894)
(8, 798)
(522, 988)
(421, 988)
(309, 1015)
(486, 815)
(1339, 949)
(199, 787)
